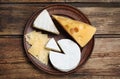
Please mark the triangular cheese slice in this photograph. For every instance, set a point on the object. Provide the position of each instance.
(44, 22)
(80, 31)
(52, 45)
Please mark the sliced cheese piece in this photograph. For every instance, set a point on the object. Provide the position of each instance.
(70, 59)
(43, 56)
(80, 31)
(52, 45)
(44, 22)
(38, 41)
(31, 37)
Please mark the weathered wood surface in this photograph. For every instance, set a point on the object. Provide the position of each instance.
(14, 63)
(60, 0)
(104, 61)
(15, 16)
(32, 0)
(93, 1)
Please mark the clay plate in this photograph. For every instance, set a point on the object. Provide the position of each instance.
(64, 10)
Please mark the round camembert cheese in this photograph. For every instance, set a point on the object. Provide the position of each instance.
(68, 60)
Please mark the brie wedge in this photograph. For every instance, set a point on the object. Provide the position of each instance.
(52, 45)
(70, 59)
(44, 22)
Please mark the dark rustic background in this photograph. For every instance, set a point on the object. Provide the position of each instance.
(104, 63)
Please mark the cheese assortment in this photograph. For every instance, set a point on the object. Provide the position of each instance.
(45, 49)
(81, 32)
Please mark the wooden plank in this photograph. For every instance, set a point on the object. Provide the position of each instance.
(60, 0)
(103, 61)
(92, 0)
(32, 1)
(93, 77)
(42, 76)
(105, 19)
(13, 18)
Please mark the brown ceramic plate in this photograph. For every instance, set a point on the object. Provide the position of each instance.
(64, 10)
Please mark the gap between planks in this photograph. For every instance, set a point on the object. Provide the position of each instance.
(96, 36)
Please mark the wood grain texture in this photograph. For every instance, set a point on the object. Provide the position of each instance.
(105, 19)
(92, 1)
(32, 0)
(14, 17)
(60, 0)
(103, 61)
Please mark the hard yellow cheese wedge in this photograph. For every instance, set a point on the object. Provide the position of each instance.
(80, 31)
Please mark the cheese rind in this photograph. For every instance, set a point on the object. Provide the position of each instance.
(70, 59)
(44, 22)
(52, 45)
(80, 31)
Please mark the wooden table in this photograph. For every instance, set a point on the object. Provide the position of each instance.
(104, 63)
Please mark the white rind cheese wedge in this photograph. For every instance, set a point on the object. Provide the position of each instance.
(52, 45)
(70, 59)
(44, 22)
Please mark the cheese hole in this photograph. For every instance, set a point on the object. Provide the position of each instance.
(74, 30)
(67, 26)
